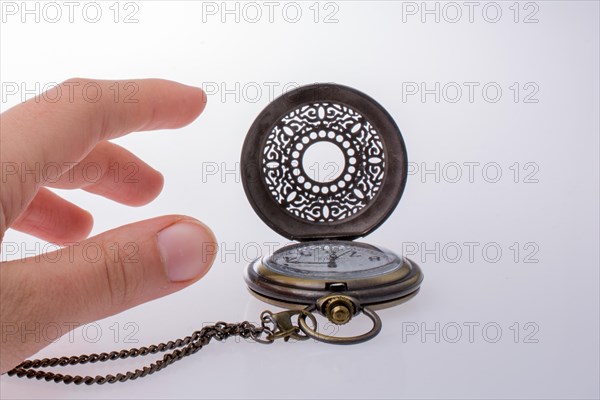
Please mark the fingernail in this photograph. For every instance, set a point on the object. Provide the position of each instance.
(188, 250)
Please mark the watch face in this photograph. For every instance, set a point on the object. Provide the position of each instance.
(330, 259)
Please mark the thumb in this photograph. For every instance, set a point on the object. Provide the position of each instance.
(99, 277)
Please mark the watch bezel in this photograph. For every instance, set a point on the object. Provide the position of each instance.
(277, 287)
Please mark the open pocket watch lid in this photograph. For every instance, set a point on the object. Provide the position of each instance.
(366, 188)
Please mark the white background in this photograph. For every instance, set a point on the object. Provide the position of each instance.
(546, 310)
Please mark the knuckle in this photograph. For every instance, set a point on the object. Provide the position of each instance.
(76, 82)
(72, 90)
(88, 97)
(123, 279)
(18, 296)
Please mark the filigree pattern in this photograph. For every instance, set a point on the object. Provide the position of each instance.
(346, 195)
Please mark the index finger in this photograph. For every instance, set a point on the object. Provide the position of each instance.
(63, 125)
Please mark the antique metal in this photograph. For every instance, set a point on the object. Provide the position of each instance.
(326, 215)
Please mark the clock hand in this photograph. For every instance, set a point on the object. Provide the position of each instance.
(340, 255)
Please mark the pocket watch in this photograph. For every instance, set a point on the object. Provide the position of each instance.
(326, 271)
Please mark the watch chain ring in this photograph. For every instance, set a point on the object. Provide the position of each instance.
(345, 340)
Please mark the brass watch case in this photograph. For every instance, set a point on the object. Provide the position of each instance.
(376, 292)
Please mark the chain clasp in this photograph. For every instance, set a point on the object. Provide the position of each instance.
(280, 325)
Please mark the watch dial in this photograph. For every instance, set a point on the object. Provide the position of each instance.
(331, 259)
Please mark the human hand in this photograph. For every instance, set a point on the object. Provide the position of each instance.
(52, 133)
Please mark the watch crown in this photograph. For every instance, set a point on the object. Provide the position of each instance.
(339, 310)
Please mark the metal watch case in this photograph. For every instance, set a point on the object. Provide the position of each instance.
(282, 278)
(326, 216)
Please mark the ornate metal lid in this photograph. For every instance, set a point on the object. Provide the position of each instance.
(365, 189)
